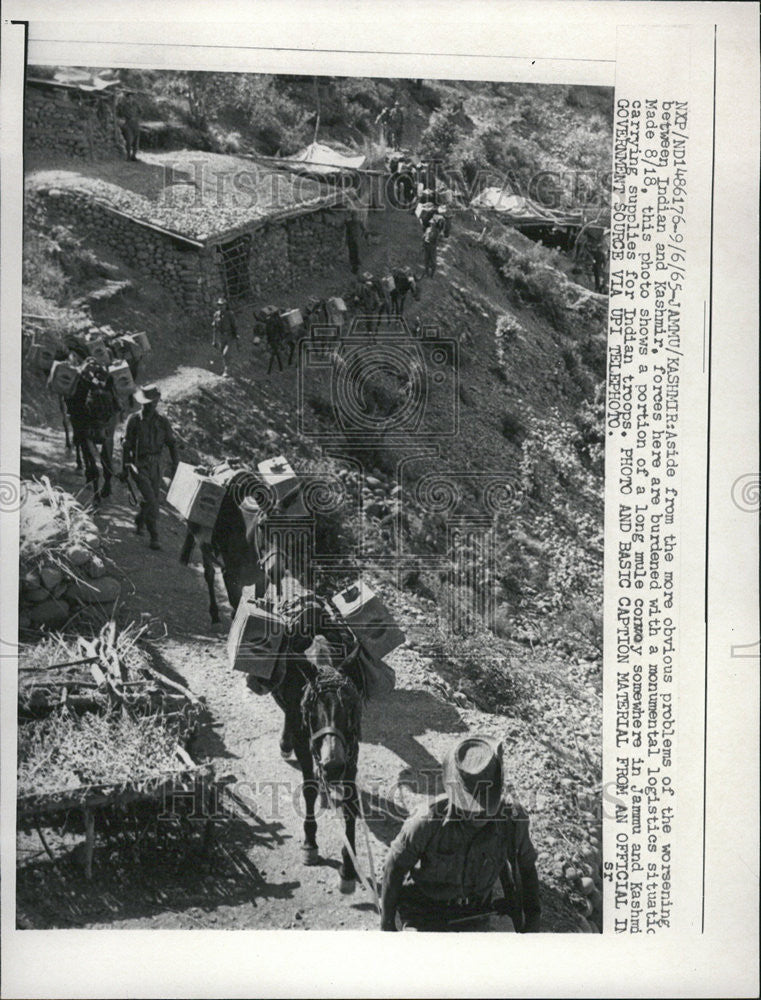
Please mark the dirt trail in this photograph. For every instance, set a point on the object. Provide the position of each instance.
(257, 879)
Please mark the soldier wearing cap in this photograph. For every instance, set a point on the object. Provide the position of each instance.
(147, 434)
(445, 863)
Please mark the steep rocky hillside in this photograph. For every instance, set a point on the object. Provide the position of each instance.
(524, 375)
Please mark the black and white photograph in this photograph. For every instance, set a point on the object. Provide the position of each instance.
(379, 499)
(310, 606)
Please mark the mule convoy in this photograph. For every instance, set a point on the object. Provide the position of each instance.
(319, 658)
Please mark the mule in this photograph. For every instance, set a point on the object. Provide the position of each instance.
(68, 430)
(233, 546)
(321, 697)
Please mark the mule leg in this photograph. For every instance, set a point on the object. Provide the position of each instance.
(309, 790)
(286, 740)
(65, 421)
(347, 871)
(187, 548)
(208, 574)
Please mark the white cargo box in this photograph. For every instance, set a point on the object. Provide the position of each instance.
(42, 356)
(195, 496)
(255, 637)
(98, 350)
(336, 305)
(278, 475)
(122, 378)
(293, 319)
(370, 620)
(63, 378)
(283, 481)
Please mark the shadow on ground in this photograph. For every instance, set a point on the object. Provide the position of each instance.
(149, 868)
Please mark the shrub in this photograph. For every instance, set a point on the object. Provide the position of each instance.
(513, 427)
(483, 668)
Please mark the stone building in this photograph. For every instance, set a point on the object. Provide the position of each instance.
(214, 224)
(66, 119)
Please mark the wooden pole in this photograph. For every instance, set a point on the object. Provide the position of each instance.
(89, 841)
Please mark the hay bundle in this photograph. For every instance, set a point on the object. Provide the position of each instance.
(65, 754)
(61, 561)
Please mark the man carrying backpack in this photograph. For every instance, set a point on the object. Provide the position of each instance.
(146, 436)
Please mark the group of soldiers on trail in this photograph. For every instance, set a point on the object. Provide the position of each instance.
(391, 121)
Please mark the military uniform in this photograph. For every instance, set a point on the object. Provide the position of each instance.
(454, 865)
(131, 127)
(224, 331)
(145, 438)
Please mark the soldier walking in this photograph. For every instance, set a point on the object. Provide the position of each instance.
(396, 125)
(224, 331)
(130, 114)
(146, 436)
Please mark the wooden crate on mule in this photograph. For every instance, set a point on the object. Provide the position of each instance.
(285, 484)
(121, 377)
(63, 378)
(195, 495)
(369, 619)
(255, 638)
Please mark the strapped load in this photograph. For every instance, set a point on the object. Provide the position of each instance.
(98, 350)
(63, 378)
(255, 639)
(42, 355)
(282, 480)
(121, 376)
(293, 320)
(377, 634)
(195, 495)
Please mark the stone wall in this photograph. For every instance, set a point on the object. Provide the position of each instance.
(286, 254)
(282, 255)
(71, 123)
(182, 269)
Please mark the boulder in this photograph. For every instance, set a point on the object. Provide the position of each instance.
(102, 591)
(51, 613)
(587, 885)
(95, 568)
(31, 580)
(77, 555)
(50, 576)
(37, 595)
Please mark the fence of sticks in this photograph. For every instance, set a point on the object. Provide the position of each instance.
(101, 727)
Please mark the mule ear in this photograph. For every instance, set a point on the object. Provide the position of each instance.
(318, 653)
